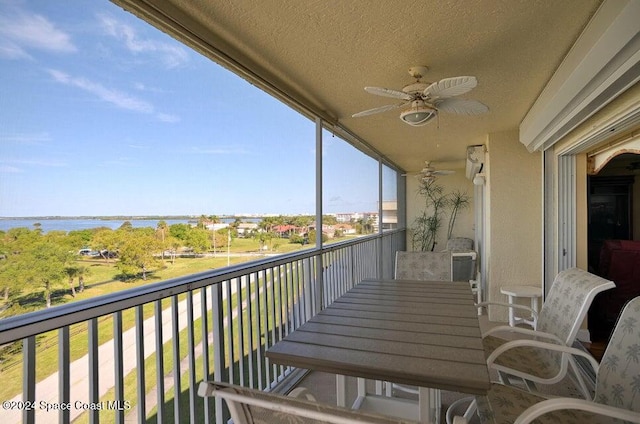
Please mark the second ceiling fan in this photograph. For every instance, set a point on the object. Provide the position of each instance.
(429, 173)
(422, 101)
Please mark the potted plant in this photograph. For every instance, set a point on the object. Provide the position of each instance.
(437, 203)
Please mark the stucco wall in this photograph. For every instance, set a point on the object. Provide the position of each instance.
(464, 226)
(514, 233)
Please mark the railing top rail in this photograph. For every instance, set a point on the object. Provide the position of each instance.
(33, 323)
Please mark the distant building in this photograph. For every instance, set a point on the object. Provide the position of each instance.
(389, 214)
(245, 228)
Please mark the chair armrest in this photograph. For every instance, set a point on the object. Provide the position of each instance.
(237, 398)
(556, 404)
(524, 331)
(537, 343)
(302, 393)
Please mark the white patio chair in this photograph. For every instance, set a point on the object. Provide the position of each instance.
(250, 406)
(427, 266)
(558, 322)
(617, 392)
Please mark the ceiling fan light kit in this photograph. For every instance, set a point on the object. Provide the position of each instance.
(419, 114)
(424, 100)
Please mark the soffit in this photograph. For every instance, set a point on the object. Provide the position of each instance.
(322, 54)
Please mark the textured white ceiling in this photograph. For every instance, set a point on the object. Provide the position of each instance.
(323, 53)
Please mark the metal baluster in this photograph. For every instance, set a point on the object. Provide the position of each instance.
(285, 275)
(268, 340)
(63, 373)
(250, 330)
(118, 366)
(142, 392)
(218, 346)
(240, 323)
(29, 379)
(175, 339)
(259, 334)
(206, 372)
(228, 329)
(159, 362)
(94, 395)
(191, 358)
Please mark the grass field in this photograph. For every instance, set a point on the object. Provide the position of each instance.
(100, 281)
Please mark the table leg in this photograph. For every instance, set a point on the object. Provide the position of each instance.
(429, 402)
(512, 321)
(341, 390)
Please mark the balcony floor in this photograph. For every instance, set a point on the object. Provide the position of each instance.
(323, 385)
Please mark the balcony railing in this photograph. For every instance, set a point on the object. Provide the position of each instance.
(127, 354)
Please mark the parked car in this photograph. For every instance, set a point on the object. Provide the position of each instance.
(108, 254)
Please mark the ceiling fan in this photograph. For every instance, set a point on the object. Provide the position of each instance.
(429, 173)
(423, 101)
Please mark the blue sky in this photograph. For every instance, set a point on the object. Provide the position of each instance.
(102, 114)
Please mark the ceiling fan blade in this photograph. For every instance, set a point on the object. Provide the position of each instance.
(377, 110)
(462, 106)
(450, 87)
(387, 92)
(443, 172)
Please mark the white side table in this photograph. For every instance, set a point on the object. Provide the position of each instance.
(514, 292)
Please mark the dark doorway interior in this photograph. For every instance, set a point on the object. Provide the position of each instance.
(612, 253)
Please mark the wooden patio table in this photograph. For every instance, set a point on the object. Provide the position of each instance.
(420, 333)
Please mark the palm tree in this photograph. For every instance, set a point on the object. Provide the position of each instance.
(635, 387)
(632, 354)
(71, 272)
(610, 364)
(82, 272)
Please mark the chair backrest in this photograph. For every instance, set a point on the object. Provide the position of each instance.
(568, 301)
(618, 379)
(428, 266)
(250, 406)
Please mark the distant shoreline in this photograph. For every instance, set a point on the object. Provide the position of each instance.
(103, 218)
(127, 217)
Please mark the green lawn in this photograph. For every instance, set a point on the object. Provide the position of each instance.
(101, 281)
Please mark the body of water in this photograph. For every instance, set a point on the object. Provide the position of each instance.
(72, 224)
(83, 224)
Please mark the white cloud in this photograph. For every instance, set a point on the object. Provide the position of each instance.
(109, 95)
(165, 117)
(7, 169)
(34, 138)
(171, 55)
(40, 163)
(220, 151)
(116, 97)
(22, 31)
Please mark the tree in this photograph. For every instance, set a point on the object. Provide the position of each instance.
(268, 222)
(136, 254)
(105, 239)
(198, 240)
(263, 237)
(83, 271)
(44, 265)
(72, 272)
(162, 234)
(329, 220)
(180, 231)
(15, 242)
